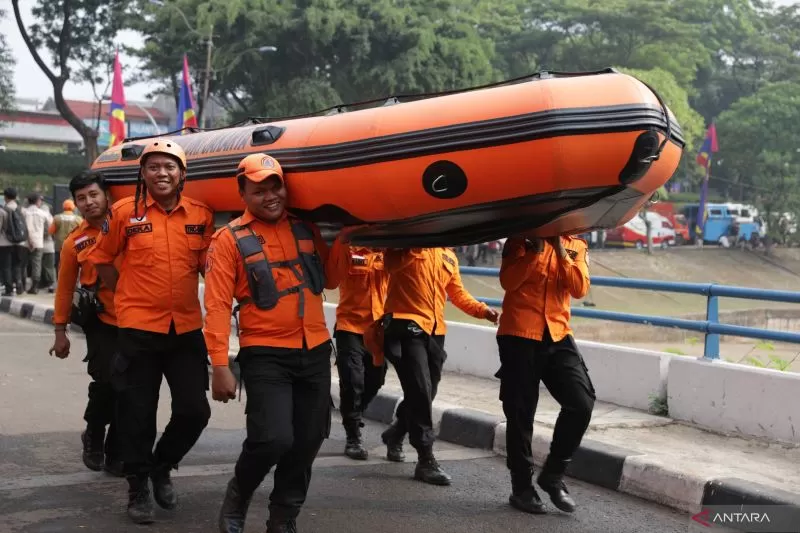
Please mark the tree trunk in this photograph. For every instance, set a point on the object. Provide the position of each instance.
(88, 134)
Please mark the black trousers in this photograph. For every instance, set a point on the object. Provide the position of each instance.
(418, 359)
(559, 365)
(101, 343)
(288, 416)
(359, 379)
(13, 267)
(143, 359)
(7, 267)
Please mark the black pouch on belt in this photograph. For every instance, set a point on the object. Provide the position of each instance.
(85, 306)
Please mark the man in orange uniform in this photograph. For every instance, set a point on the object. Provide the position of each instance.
(163, 237)
(97, 317)
(536, 343)
(361, 295)
(420, 281)
(276, 268)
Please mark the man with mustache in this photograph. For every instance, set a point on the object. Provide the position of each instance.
(98, 321)
(276, 267)
(162, 236)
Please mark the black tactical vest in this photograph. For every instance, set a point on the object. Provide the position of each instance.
(307, 267)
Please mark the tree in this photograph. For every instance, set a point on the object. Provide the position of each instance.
(6, 73)
(79, 35)
(329, 52)
(759, 138)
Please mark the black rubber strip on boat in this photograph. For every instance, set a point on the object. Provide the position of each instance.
(470, 136)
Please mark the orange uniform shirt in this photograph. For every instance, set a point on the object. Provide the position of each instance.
(362, 290)
(420, 281)
(163, 255)
(538, 288)
(74, 266)
(281, 326)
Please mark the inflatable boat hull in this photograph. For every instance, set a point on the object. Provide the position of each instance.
(554, 154)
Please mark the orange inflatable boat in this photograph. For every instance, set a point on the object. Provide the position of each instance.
(555, 152)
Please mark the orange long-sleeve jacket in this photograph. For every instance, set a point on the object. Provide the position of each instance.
(163, 255)
(539, 287)
(420, 281)
(279, 327)
(74, 266)
(362, 290)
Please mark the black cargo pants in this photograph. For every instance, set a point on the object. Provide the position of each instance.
(524, 362)
(359, 379)
(143, 359)
(101, 344)
(288, 417)
(418, 359)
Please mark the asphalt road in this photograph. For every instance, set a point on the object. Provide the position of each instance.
(44, 487)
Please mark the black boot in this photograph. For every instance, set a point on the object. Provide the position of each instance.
(114, 467)
(393, 439)
(429, 471)
(551, 480)
(234, 509)
(354, 448)
(92, 439)
(163, 490)
(523, 495)
(140, 505)
(281, 526)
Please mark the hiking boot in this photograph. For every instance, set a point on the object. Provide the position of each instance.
(551, 480)
(393, 439)
(233, 512)
(354, 448)
(93, 455)
(281, 526)
(163, 490)
(140, 505)
(429, 471)
(114, 467)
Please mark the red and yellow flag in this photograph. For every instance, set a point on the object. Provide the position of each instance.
(116, 113)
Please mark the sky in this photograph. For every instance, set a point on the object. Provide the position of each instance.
(31, 82)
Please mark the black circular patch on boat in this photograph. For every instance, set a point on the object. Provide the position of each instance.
(444, 179)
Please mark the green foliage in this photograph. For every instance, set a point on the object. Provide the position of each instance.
(6, 72)
(659, 405)
(778, 363)
(40, 163)
(675, 351)
(755, 362)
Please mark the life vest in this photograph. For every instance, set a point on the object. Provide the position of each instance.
(307, 267)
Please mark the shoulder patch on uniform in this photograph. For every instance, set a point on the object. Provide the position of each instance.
(448, 258)
(105, 227)
(195, 229)
(573, 254)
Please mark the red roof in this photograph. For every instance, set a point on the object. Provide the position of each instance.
(86, 110)
(49, 119)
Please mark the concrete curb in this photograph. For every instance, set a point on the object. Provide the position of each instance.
(614, 468)
(597, 463)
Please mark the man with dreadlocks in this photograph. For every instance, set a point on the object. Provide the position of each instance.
(162, 237)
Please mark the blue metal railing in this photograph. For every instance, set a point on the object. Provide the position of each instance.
(710, 327)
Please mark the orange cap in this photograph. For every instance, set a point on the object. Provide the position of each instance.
(258, 167)
(162, 145)
(68, 205)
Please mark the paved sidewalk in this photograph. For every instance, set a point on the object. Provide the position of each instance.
(627, 450)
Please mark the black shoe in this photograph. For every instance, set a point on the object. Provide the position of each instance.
(281, 526)
(114, 467)
(354, 448)
(233, 512)
(92, 439)
(553, 484)
(528, 501)
(163, 491)
(393, 439)
(429, 471)
(140, 505)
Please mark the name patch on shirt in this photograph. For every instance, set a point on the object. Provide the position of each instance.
(359, 260)
(83, 243)
(195, 229)
(136, 230)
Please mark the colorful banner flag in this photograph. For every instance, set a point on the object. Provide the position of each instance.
(186, 116)
(704, 156)
(116, 113)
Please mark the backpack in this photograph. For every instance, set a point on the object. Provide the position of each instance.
(16, 229)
